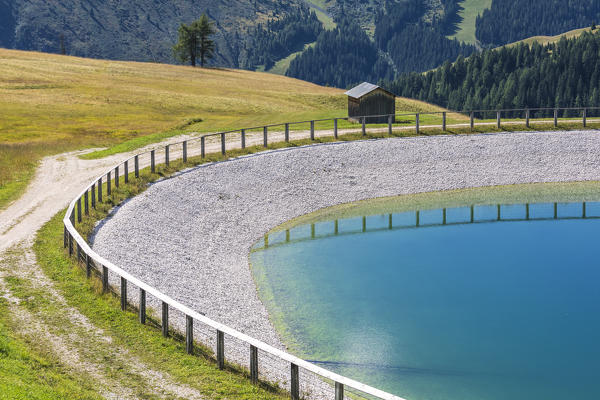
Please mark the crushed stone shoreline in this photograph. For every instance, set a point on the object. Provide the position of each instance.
(189, 236)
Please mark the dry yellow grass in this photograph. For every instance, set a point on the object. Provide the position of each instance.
(52, 103)
(543, 40)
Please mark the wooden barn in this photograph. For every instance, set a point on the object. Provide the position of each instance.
(367, 99)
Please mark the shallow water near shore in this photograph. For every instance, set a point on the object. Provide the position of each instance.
(456, 295)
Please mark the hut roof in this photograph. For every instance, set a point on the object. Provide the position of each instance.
(364, 88)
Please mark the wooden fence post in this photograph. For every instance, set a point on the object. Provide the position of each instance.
(165, 319)
(100, 190)
(243, 138)
(88, 266)
(312, 130)
(220, 349)
(108, 183)
(223, 150)
(94, 195)
(167, 155)
(584, 117)
(104, 279)
(152, 162)
(253, 364)
(123, 294)
(335, 128)
(70, 245)
(390, 125)
(556, 117)
(364, 126)
(417, 123)
(86, 200)
(79, 209)
(185, 151)
(339, 391)
(295, 382)
(189, 334)
(287, 132)
(126, 174)
(527, 118)
(202, 147)
(265, 136)
(444, 121)
(498, 120)
(136, 162)
(472, 116)
(142, 309)
(117, 176)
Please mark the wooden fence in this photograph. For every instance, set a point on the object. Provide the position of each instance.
(93, 193)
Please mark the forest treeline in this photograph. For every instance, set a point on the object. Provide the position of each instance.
(404, 40)
(514, 20)
(563, 74)
(279, 38)
(341, 57)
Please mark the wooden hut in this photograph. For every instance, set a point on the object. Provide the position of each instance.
(367, 99)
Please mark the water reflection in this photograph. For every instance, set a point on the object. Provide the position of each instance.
(474, 214)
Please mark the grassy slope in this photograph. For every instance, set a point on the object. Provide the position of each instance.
(51, 103)
(466, 28)
(26, 374)
(553, 39)
(168, 355)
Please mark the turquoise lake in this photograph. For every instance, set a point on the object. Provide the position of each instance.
(467, 302)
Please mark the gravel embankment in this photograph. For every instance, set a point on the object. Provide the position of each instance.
(190, 236)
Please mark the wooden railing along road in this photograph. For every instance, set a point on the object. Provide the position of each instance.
(93, 193)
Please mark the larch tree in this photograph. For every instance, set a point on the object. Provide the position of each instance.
(194, 42)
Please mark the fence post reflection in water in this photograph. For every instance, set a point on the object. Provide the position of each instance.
(500, 213)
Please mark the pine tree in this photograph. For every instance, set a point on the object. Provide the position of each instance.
(205, 29)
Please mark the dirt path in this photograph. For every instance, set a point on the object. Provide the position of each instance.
(75, 342)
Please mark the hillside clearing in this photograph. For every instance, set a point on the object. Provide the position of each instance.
(320, 8)
(466, 28)
(281, 66)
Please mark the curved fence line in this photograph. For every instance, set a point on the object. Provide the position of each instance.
(93, 193)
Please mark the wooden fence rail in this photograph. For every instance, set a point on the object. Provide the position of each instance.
(79, 247)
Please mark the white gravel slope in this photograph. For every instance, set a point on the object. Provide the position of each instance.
(190, 236)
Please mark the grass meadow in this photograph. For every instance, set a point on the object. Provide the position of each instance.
(50, 104)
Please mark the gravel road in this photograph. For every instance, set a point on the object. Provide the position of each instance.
(189, 236)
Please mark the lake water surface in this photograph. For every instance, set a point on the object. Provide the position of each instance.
(469, 302)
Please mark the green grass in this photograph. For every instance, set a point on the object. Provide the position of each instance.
(466, 28)
(198, 371)
(29, 374)
(52, 103)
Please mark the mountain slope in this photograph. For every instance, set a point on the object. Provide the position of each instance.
(139, 30)
(509, 21)
(561, 74)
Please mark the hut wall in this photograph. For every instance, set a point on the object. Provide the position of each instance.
(377, 102)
